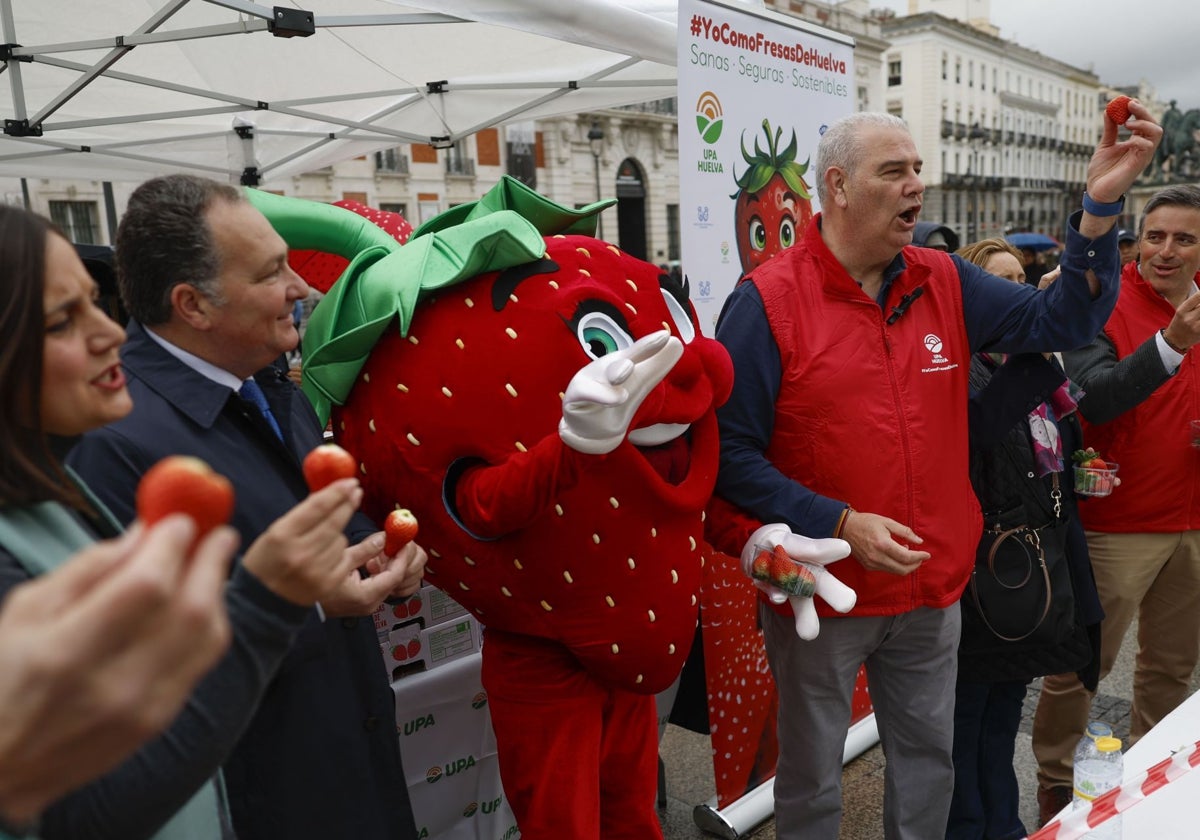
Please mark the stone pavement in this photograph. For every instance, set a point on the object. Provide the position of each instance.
(689, 777)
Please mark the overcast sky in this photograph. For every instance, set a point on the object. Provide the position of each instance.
(1122, 41)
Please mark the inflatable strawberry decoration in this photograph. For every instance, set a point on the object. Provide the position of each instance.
(544, 404)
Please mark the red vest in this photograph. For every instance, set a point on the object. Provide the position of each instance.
(875, 414)
(1151, 443)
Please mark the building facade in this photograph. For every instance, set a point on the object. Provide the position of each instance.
(1006, 134)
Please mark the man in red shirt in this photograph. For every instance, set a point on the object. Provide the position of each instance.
(1141, 391)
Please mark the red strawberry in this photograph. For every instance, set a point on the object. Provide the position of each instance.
(326, 464)
(773, 202)
(183, 484)
(789, 576)
(1118, 110)
(400, 528)
(1088, 459)
(414, 648)
(475, 384)
(761, 567)
(399, 653)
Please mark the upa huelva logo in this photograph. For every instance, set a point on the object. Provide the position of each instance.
(470, 810)
(709, 117)
(479, 700)
(433, 774)
(493, 806)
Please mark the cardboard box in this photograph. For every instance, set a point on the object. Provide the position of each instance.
(411, 649)
(429, 606)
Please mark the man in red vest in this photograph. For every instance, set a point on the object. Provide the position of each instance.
(1142, 391)
(848, 418)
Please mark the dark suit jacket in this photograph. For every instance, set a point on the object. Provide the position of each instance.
(321, 757)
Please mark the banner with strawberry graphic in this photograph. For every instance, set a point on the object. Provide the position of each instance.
(762, 87)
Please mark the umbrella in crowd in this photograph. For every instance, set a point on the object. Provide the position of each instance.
(1034, 241)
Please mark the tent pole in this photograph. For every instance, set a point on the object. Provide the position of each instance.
(110, 212)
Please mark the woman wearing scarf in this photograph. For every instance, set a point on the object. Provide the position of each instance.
(1023, 428)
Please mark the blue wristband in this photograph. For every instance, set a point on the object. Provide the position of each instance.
(1095, 208)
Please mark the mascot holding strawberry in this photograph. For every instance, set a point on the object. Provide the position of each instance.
(545, 405)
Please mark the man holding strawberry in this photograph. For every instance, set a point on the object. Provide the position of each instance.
(207, 283)
(848, 418)
(1141, 388)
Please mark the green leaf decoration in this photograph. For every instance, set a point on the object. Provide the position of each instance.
(764, 164)
(793, 175)
(381, 285)
(385, 280)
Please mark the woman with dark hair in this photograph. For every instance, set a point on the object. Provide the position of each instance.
(60, 376)
(1022, 430)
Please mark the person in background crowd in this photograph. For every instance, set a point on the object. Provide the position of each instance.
(207, 284)
(132, 624)
(61, 377)
(1141, 388)
(935, 235)
(1127, 242)
(848, 418)
(1032, 265)
(1021, 473)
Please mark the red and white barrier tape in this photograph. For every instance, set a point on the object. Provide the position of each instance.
(1077, 823)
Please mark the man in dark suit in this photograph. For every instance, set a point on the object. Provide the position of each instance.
(206, 281)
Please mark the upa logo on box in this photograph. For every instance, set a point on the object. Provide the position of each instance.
(416, 724)
(434, 774)
(479, 700)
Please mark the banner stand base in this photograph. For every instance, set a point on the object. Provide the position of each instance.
(743, 815)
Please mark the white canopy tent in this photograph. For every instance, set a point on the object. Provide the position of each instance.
(120, 89)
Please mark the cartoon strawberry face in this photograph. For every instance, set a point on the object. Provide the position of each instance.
(773, 205)
(609, 559)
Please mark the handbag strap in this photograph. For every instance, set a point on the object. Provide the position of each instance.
(1029, 537)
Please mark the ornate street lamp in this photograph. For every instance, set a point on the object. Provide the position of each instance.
(595, 138)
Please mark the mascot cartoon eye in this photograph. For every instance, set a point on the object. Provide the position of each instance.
(787, 232)
(683, 321)
(758, 234)
(600, 335)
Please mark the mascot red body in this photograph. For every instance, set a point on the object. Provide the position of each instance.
(583, 565)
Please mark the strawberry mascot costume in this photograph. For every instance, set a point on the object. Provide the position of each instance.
(545, 404)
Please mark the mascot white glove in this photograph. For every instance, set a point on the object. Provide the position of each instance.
(812, 555)
(601, 399)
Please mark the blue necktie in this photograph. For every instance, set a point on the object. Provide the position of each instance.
(251, 392)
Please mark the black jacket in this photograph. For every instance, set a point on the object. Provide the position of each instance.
(321, 758)
(1005, 479)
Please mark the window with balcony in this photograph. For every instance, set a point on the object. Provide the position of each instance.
(392, 162)
(893, 72)
(79, 220)
(459, 161)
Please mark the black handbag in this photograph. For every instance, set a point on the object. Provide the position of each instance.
(1020, 589)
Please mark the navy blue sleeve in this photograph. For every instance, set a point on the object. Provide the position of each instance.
(1009, 317)
(746, 478)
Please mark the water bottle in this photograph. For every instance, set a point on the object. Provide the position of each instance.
(1097, 774)
(1086, 748)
